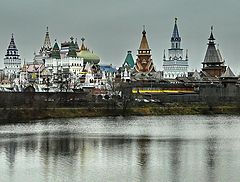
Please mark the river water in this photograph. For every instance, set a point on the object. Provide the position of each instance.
(168, 148)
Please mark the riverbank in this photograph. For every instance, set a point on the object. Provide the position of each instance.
(26, 114)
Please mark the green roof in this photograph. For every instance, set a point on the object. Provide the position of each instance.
(72, 49)
(129, 60)
(56, 51)
(88, 57)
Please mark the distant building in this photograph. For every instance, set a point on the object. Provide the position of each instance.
(175, 65)
(12, 61)
(129, 62)
(144, 63)
(127, 67)
(213, 63)
(69, 64)
(87, 55)
(45, 50)
(65, 46)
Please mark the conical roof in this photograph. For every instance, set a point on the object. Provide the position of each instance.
(212, 55)
(47, 42)
(228, 73)
(129, 60)
(144, 42)
(72, 49)
(12, 48)
(56, 51)
(12, 44)
(175, 34)
(196, 75)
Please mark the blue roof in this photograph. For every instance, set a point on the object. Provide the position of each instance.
(107, 68)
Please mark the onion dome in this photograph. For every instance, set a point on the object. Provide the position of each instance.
(86, 55)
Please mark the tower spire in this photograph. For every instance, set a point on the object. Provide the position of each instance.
(144, 43)
(213, 63)
(144, 62)
(83, 46)
(175, 34)
(47, 42)
(211, 38)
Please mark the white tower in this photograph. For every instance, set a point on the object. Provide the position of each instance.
(12, 61)
(175, 65)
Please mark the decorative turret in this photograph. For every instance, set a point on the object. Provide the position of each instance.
(83, 46)
(56, 51)
(72, 49)
(86, 55)
(129, 62)
(12, 61)
(164, 55)
(45, 50)
(175, 65)
(47, 42)
(228, 77)
(213, 63)
(144, 62)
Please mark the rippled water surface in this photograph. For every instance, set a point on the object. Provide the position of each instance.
(169, 148)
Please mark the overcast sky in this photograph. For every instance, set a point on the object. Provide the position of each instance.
(112, 27)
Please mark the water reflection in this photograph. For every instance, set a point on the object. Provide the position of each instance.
(194, 149)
